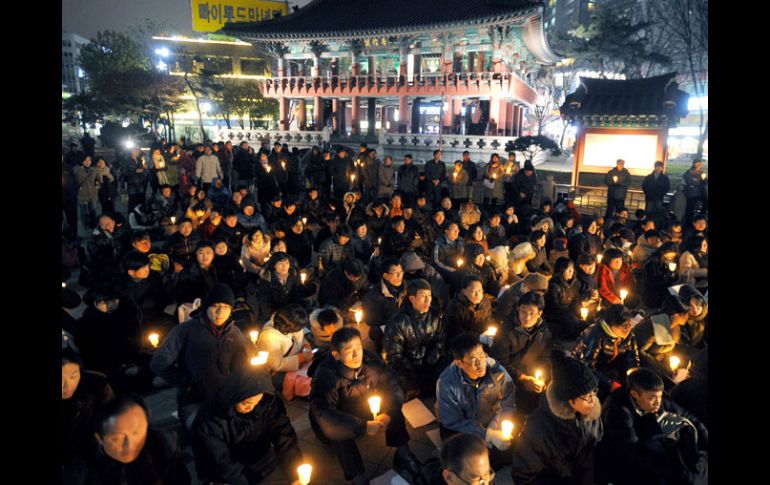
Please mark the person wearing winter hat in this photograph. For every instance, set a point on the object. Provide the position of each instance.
(695, 331)
(608, 348)
(508, 298)
(658, 337)
(234, 432)
(518, 258)
(559, 439)
(197, 355)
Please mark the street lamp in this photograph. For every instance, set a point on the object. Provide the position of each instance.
(539, 111)
(162, 51)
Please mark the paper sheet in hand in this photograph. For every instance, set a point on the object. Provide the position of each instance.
(417, 413)
(435, 437)
(661, 327)
(303, 370)
(389, 478)
(674, 290)
(170, 309)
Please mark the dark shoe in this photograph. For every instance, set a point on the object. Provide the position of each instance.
(360, 480)
(408, 466)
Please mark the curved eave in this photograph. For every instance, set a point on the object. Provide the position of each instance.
(519, 17)
(534, 38)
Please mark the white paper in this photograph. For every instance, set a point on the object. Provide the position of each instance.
(170, 309)
(417, 413)
(389, 478)
(674, 290)
(435, 437)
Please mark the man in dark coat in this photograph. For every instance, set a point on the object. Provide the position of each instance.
(181, 245)
(197, 355)
(655, 186)
(408, 176)
(234, 433)
(470, 167)
(102, 251)
(469, 312)
(559, 439)
(142, 287)
(231, 231)
(136, 174)
(617, 180)
(435, 173)
(344, 285)
(383, 300)
(340, 411)
(339, 171)
(243, 164)
(415, 341)
(649, 439)
(524, 183)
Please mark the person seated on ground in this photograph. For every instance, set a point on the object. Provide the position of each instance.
(539, 264)
(518, 258)
(522, 346)
(231, 231)
(383, 300)
(474, 395)
(508, 299)
(433, 230)
(415, 342)
(613, 275)
(658, 337)
(646, 245)
(131, 453)
(219, 195)
(197, 355)
(608, 348)
(142, 287)
(498, 260)
(558, 442)
(336, 249)
(648, 439)
(586, 241)
(562, 301)
(181, 245)
(451, 213)
(210, 225)
(109, 337)
(340, 412)
(283, 338)
(83, 393)
(396, 241)
(588, 287)
(448, 250)
(311, 206)
(416, 267)
(351, 209)
(323, 323)
(468, 214)
(299, 241)
(248, 218)
(469, 312)
(102, 252)
(694, 334)
(159, 260)
(363, 244)
(642, 224)
(278, 245)
(197, 279)
(166, 202)
(329, 224)
(199, 209)
(692, 393)
(693, 263)
(658, 274)
(475, 235)
(476, 264)
(494, 231)
(698, 228)
(243, 431)
(344, 285)
(273, 209)
(278, 285)
(255, 250)
(464, 459)
(228, 268)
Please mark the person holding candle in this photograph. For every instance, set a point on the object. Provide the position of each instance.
(609, 348)
(539, 264)
(612, 275)
(459, 183)
(562, 301)
(557, 444)
(655, 186)
(415, 341)
(435, 173)
(339, 171)
(197, 279)
(693, 263)
(278, 285)
(493, 182)
(255, 250)
(586, 241)
(695, 332)
(477, 265)
(396, 241)
(646, 245)
(344, 285)
(243, 430)
(336, 249)
(522, 347)
(469, 312)
(377, 217)
(196, 356)
(382, 301)
(617, 180)
(649, 438)
(136, 176)
(658, 337)
(695, 189)
(340, 411)
(467, 215)
(659, 273)
(181, 245)
(474, 395)
(524, 183)
(448, 250)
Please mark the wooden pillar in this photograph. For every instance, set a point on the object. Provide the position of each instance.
(371, 116)
(471, 62)
(521, 120)
(355, 67)
(403, 114)
(318, 113)
(502, 125)
(315, 71)
(446, 123)
(283, 108)
(355, 104)
(494, 114)
(302, 115)
(510, 109)
(482, 60)
(414, 117)
(372, 66)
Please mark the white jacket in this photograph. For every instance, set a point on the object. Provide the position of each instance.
(282, 349)
(253, 255)
(207, 167)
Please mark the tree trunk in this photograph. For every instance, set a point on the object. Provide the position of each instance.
(563, 134)
(226, 117)
(704, 134)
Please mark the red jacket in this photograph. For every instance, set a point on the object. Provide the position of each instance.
(609, 289)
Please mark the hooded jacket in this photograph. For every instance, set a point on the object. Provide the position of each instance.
(468, 406)
(522, 351)
(197, 360)
(562, 301)
(283, 349)
(464, 317)
(385, 180)
(339, 396)
(608, 356)
(226, 442)
(556, 446)
(182, 249)
(414, 340)
(642, 251)
(377, 225)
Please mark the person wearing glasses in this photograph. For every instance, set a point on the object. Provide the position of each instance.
(559, 439)
(382, 301)
(609, 348)
(475, 394)
(464, 460)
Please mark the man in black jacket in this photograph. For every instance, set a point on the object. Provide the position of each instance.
(470, 167)
(655, 186)
(415, 342)
(231, 231)
(469, 312)
(383, 300)
(617, 180)
(340, 411)
(649, 439)
(234, 433)
(339, 171)
(408, 176)
(344, 285)
(243, 164)
(199, 354)
(142, 287)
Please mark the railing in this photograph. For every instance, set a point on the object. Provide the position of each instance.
(486, 144)
(256, 137)
(594, 199)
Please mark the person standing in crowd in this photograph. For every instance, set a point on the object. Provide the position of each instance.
(470, 168)
(435, 173)
(524, 188)
(655, 186)
(136, 176)
(88, 178)
(493, 182)
(207, 168)
(107, 183)
(617, 180)
(695, 189)
(408, 176)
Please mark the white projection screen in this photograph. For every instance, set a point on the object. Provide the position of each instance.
(600, 148)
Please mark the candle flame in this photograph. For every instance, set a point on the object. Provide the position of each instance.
(154, 339)
(304, 471)
(359, 315)
(507, 429)
(491, 331)
(260, 359)
(674, 362)
(538, 374)
(374, 404)
(253, 335)
(623, 295)
(584, 313)
(302, 277)
(460, 262)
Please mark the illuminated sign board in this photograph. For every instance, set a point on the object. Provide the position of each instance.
(211, 15)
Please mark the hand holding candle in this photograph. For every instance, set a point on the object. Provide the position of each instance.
(304, 471)
(374, 405)
(460, 262)
(584, 313)
(672, 267)
(623, 295)
(260, 359)
(154, 339)
(598, 258)
(253, 335)
(507, 429)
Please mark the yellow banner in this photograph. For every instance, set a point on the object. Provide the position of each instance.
(211, 15)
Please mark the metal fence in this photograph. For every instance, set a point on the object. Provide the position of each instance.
(594, 199)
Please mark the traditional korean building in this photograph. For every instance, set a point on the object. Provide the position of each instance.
(403, 66)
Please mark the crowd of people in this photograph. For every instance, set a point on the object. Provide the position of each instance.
(570, 347)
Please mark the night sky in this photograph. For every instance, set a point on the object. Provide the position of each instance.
(86, 17)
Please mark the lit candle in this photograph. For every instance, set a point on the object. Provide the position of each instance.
(454, 175)
(703, 176)
(672, 267)
(268, 168)
(253, 335)
(488, 257)
(491, 331)
(154, 339)
(304, 472)
(283, 165)
(615, 178)
(674, 362)
(352, 178)
(507, 429)
(379, 241)
(63, 284)
(623, 295)
(598, 258)
(584, 313)
(538, 374)
(359, 315)
(460, 262)
(173, 220)
(302, 277)
(260, 359)
(374, 404)
(494, 176)
(304, 220)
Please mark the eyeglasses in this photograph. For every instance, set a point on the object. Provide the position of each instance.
(589, 398)
(396, 273)
(475, 361)
(488, 480)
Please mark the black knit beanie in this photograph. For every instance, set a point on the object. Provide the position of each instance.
(571, 378)
(220, 293)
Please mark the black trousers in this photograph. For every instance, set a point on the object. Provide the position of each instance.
(421, 381)
(70, 207)
(612, 205)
